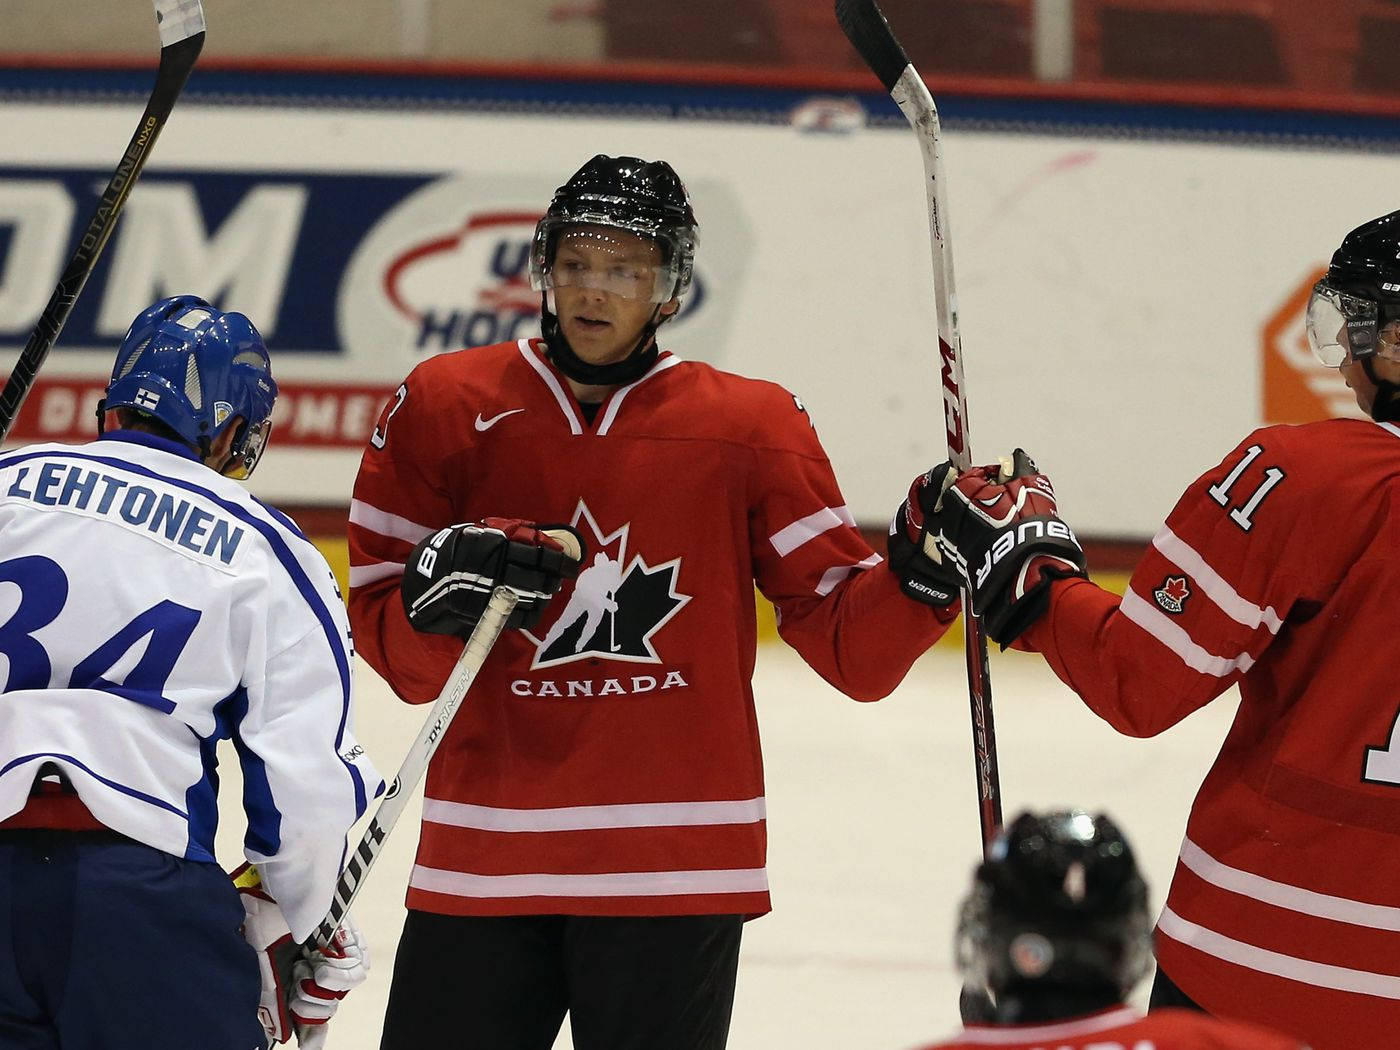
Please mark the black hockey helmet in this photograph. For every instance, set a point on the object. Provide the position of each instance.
(646, 198)
(1359, 296)
(1058, 903)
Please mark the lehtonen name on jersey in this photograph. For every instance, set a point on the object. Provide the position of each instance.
(98, 494)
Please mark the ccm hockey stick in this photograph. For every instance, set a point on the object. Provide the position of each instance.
(865, 26)
(181, 24)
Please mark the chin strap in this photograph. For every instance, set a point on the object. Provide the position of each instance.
(1386, 407)
(631, 368)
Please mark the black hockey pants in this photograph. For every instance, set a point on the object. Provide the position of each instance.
(467, 983)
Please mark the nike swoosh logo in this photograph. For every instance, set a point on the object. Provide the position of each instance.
(985, 502)
(487, 424)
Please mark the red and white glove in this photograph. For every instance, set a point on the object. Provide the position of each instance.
(914, 556)
(1001, 527)
(324, 976)
(301, 988)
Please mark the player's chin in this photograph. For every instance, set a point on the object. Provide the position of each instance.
(591, 339)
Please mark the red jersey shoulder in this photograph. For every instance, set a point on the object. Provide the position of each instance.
(754, 412)
(1311, 452)
(464, 373)
(1284, 474)
(444, 394)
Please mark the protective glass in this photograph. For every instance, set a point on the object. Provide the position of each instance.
(1341, 325)
(249, 451)
(608, 259)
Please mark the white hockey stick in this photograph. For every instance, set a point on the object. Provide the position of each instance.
(415, 764)
(181, 24)
(866, 28)
(483, 637)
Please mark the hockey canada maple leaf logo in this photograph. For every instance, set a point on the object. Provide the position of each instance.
(1173, 593)
(614, 606)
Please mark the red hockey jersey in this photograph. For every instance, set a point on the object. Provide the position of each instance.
(1278, 570)
(1124, 1028)
(607, 761)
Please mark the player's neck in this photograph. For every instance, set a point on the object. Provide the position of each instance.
(587, 394)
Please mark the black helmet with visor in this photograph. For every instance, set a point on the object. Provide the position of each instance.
(605, 197)
(1354, 310)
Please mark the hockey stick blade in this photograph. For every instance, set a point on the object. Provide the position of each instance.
(866, 28)
(181, 25)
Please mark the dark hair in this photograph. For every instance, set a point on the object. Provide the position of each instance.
(134, 419)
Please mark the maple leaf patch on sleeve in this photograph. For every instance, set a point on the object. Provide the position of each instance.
(1172, 594)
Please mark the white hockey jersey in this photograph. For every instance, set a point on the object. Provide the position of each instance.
(150, 608)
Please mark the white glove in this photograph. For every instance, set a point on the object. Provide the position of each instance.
(301, 988)
(324, 976)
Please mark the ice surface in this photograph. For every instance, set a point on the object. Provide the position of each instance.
(873, 833)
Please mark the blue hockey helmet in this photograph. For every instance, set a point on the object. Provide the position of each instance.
(197, 369)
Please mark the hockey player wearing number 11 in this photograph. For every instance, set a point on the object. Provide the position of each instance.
(594, 823)
(1273, 573)
(149, 608)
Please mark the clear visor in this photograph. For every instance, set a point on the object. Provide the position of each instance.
(1341, 325)
(607, 259)
(245, 458)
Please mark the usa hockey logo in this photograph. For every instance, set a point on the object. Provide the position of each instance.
(615, 606)
(1172, 594)
(469, 286)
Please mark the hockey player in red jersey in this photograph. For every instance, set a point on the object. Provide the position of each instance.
(594, 823)
(1270, 574)
(1056, 932)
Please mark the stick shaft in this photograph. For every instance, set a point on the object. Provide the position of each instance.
(182, 35)
(865, 26)
(415, 764)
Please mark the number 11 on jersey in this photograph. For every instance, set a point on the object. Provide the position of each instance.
(1243, 515)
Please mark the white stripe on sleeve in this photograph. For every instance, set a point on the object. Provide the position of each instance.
(1174, 637)
(788, 539)
(1180, 553)
(383, 523)
(835, 575)
(363, 574)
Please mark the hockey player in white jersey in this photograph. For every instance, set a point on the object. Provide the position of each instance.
(149, 608)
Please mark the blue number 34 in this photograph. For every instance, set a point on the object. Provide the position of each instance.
(43, 591)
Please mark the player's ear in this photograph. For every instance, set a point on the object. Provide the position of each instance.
(667, 309)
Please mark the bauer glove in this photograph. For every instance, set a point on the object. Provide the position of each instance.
(914, 556)
(1000, 526)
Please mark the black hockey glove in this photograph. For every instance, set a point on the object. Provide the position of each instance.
(924, 573)
(1002, 529)
(449, 577)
